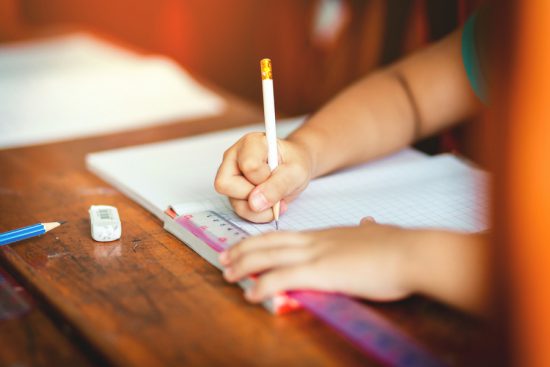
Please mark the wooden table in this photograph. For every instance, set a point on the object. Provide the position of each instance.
(147, 299)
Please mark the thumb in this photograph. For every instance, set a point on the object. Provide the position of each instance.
(282, 182)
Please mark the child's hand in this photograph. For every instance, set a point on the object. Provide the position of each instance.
(368, 261)
(244, 176)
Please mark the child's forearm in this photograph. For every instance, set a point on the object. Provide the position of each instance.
(451, 267)
(348, 132)
(370, 119)
(390, 109)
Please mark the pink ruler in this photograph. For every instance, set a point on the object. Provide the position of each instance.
(362, 325)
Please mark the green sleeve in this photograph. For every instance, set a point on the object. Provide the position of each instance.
(471, 57)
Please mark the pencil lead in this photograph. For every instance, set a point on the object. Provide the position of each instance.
(277, 225)
(62, 222)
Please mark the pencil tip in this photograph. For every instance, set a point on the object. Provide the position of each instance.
(62, 222)
(277, 225)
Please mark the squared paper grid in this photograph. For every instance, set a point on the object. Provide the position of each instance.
(441, 192)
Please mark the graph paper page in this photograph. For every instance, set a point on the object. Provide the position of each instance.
(442, 192)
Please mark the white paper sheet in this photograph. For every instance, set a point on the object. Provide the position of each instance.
(78, 86)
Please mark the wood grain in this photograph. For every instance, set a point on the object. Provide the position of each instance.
(30, 338)
(147, 299)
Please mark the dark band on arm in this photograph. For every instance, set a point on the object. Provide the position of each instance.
(412, 102)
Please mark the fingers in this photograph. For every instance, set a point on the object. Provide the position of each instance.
(284, 180)
(243, 210)
(259, 261)
(244, 175)
(284, 207)
(284, 260)
(229, 179)
(252, 158)
(269, 240)
(276, 250)
(243, 167)
(302, 276)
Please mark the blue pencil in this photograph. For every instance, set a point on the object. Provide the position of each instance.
(27, 232)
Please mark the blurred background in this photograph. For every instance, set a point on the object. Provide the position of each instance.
(320, 46)
(317, 46)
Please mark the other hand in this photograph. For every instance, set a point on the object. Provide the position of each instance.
(368, 261)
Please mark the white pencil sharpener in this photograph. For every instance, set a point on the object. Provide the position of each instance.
(105, 223)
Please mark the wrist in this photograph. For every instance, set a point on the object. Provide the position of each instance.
(450, 267)
(309, 141)
(414, 261)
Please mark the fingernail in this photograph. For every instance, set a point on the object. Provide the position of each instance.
(224, 258)
(228, 273)
(367, 219)
(249, 294)
(284, 207)
(258, 202)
